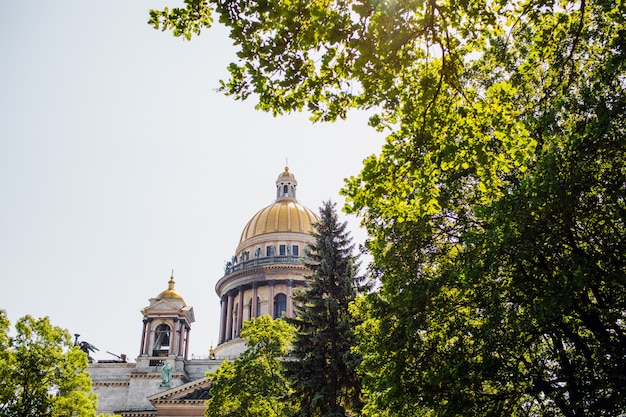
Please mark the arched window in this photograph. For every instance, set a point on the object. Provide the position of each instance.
(280, 305)
(162, 337)
(285, 190)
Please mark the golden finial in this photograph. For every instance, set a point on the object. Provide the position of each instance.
(171, 281)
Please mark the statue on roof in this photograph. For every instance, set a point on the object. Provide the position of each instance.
(166, 374)
(87, 348)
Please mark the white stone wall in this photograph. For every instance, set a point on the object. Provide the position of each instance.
(121, 386)
(144, 384)
(197, 369)
(230, 350)
(110, 383)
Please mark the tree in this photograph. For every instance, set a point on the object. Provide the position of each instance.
(512, 304)
(324, 368)
(254, 384)
(43, 374)
(496, 208)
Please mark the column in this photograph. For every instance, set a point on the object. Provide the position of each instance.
(239, 312)
(146, 347)
(173, 337)
(224, 314)
(143, 337)
(255, 299)
(271, 298)
(187, 331)
(181, 341)
(229, 318)
(289, 294)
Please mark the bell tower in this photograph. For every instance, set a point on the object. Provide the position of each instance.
(166, 327)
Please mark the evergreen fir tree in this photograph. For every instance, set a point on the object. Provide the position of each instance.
(324, 370)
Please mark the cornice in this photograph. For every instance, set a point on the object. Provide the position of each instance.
(111, 383)
(258, 275)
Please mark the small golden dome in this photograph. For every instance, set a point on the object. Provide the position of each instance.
(170, 293)
(287, 174)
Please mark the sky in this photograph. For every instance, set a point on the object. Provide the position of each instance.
(120, 162)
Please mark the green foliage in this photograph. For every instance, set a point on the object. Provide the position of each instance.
(510, 302)
(409, 60)
(183, 22)
(254, 384)
(495, 209)
(42, 373)
(324, 369)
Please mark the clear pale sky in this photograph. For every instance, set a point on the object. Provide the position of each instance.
(120, 162)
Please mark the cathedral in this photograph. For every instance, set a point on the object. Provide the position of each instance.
(259, 279)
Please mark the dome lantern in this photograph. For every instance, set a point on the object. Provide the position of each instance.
(286, 186)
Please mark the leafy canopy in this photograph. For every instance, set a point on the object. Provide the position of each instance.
(254, 384)
(42, 373)
(407, 60)
(495, 209)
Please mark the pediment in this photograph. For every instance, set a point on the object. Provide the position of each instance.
(194, 391)
(164, 306)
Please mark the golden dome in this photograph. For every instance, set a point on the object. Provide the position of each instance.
(287, 175)
(281, 216)
(285, 215)
(170, 293)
